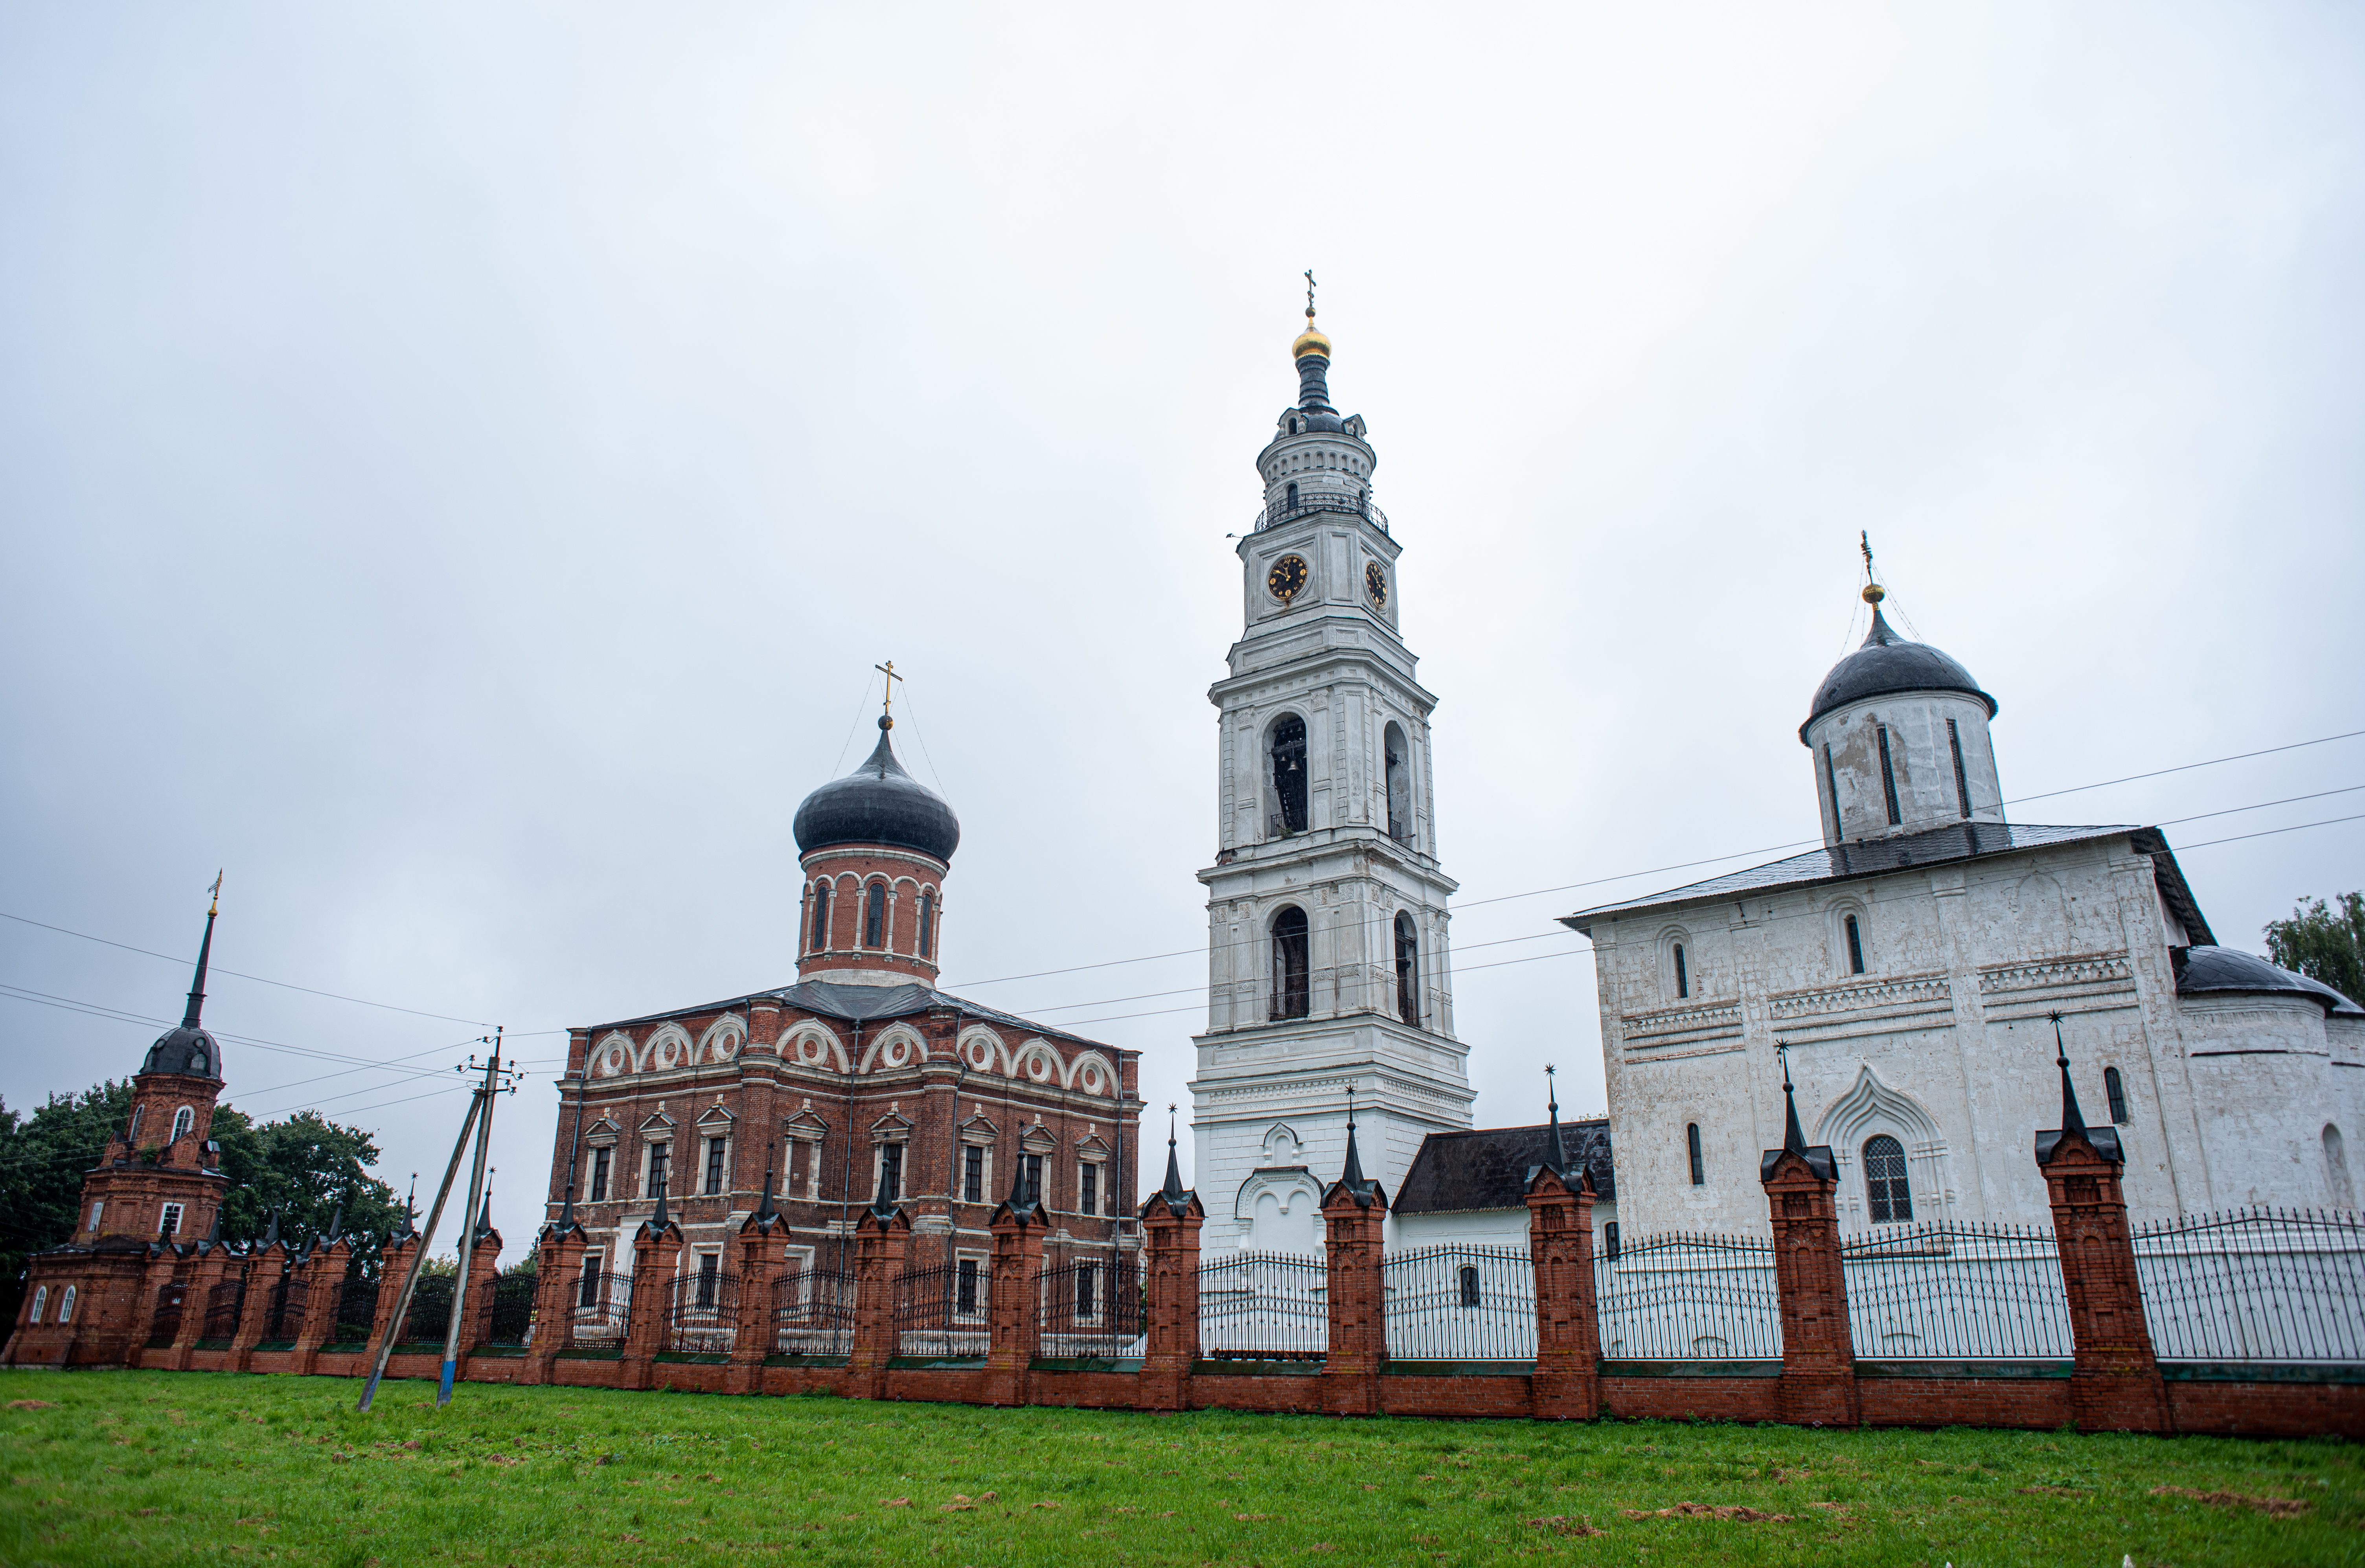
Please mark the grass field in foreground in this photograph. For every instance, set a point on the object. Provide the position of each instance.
(199, 1467)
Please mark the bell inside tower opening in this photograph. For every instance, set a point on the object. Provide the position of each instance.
(1288, 748)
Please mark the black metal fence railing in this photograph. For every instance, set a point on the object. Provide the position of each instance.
(1089, 1306)
(1956, 1292)
(167, 1325)
(512, 1314)
(430, 1310)
(1460, 1302)
(1308, 504)
(940, 1312)
(224, 1303)
(812, 1311)
(356, 1316)
(703, 1313)
(2255, 1285)
(1686, 1298)
(283, 1315)
(1264, 1306)
(603, 1307)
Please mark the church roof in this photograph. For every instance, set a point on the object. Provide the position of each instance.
(863, 1004)
(1887, 663)
(1488, 1168)
(2230, 970)
(877, 803)
(1938, 846)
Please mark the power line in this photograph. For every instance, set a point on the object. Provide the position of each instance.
(2270, 833)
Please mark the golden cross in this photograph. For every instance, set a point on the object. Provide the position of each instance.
(887, 669)
(1309, 294)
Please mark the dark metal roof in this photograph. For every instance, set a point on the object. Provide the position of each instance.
(877, 803)
(1939, 845)
(1487, 1168)
(861, 1005)
(1887, 663)
(185, 1050)
(2229, 970)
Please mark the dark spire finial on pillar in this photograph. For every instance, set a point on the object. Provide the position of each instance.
(661, 1219)
(567, 1210)
(2072, 1119)
(411, 1208)
(764, 1210)
(270, 1228)
(336, 1223)
(1555, 1151)
(205, 956)
(485, 1218)
(1173, 1193)
(1352, 1177)
(1793, 1138)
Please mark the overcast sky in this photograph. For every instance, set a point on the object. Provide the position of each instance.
(458, 467)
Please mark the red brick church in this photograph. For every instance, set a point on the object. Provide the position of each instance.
(860, 1082)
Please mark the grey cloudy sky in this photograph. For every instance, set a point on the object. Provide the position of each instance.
(458, 467)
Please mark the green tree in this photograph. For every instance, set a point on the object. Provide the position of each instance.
(2324, 942)
(43, 1158)
(304, 1169)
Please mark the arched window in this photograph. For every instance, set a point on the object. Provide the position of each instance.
(927, 924)
(874, 916)
(65, 1306)
(131, 1133)
(2117, 1092)
(1470, 1295)
(1692, 1147)
(1293, 494)
(1408, 971)
(1292, 995)
(1399, 782)
(198, 1064)
(821, 917)
(1683, 974)
(1610, 1241)
(1855, 946)
(1288, 749)
(1889, 780)
(1886, 1190)
(41, 1300)
(182, 1120)
(2335, 1169)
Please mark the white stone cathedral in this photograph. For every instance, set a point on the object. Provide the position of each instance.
(1326, 902)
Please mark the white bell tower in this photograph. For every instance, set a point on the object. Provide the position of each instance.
(1327, 941)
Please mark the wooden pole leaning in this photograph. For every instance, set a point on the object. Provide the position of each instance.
(401, 1310)
(451, 1330)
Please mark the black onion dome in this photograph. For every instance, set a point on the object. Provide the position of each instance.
(2231, 971)
(1887, 663)
(877, 803)
(188, 1051)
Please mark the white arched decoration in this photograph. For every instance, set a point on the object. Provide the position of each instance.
(668, 1049)
(1282, 1144)
(1868, 1109)
(982, 1051)
(896, 1046)
(811, 1044)
(614, 1055)
(1279, 1210)
(1036, 1062)
(722, 1040)
(1093, 1073)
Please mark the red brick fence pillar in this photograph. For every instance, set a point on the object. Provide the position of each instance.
(1169, 1222)
(657, 1252)
(264, 1268)
(393, 1264)
(559, 1274)
(324, 1273)
(1354, 1219)
(882, 1251)
(213, 1264)
(760, 1237)
(1818, 1382)
(1566, 1385)
(1011, 1295)
(2115, 1382)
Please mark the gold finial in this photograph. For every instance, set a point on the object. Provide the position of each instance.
(1873, 592)
(1310, 340)
(886, 710)
(216, 889)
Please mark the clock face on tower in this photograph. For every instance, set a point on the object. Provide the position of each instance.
(1376, 583)
(1287, 578)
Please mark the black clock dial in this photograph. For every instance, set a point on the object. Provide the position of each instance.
(1287, 578)
(1376, 583)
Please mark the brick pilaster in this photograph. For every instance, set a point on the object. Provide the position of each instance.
(2114, 1383)
(324, 1275)
(883, 1250)
(392, 1262)
(1011, 1301)
(1566, 1385)
(656, 1254)
(1354, 1215)
(212, 1266)
(558, 1275)
(1170, 1223)
(162, 1262)
(1818, 1384)
(484, 1268)
(262, 1270)
(758, 1268)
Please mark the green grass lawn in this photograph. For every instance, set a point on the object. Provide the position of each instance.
(188, 1467)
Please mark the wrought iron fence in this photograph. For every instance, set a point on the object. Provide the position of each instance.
(1089, 1306)
(356, 1311)
(812, 1311)
(1688, 1298)
(283, 1315)
(223, 1305)
(167, 1325)
(940, 1312)
(1957, 1292)
(2255, 1285)
(703, 1313)
(430, 1310)
(1313, 501)
(513, 1312)
(603, 1306)
(1264, 1306)
(1460, 1302)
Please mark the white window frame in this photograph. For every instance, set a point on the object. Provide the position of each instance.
(984, 1261)
(649, 1148)
(66, 1305)
(985, 1170)
(605, 1193)
(184, 1122)
(97, 1208)
(706, 1142)
(1098, 1168)
(168, 1219)
(40, 1302)
(902, 1171)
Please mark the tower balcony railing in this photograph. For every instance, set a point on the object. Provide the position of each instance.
(1319, 501)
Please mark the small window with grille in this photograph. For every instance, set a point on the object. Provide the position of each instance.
(973, 1174)
(1088, 1189)
(1887, 1194)
(965, 1286)
(587, 1291)
(1088, 1277)
(1470, 1295)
